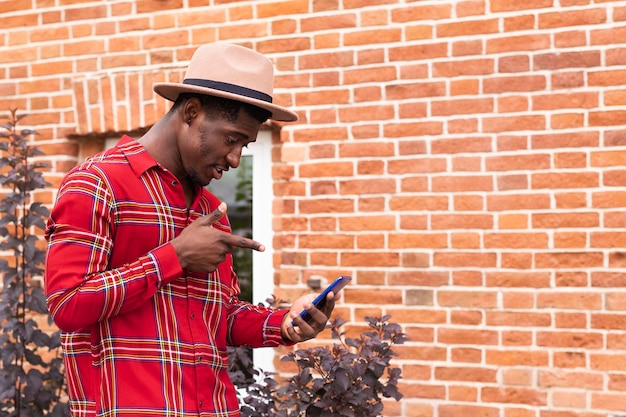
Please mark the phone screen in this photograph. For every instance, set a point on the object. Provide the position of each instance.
(320, 300)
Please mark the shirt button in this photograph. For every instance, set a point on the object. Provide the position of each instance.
(193, 315)
(174, 183)
(201, 403)
(200, 359)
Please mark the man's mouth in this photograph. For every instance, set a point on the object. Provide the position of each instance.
(218, 172)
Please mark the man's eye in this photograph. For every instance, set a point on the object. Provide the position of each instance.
(230, 140)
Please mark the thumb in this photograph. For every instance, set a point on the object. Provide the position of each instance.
(217, 214)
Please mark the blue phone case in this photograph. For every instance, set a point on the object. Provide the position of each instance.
(320, 300)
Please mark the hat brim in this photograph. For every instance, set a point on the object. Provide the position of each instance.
(171, 91)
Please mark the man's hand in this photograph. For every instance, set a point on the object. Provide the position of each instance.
(202, 248)
(303, 330)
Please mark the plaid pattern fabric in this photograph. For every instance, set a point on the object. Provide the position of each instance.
(141, 336)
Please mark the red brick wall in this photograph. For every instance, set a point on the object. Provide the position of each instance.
(463, 160)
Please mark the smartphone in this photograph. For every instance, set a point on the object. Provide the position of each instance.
(320, 300)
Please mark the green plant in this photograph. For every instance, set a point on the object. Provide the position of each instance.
(31, 378)
(349, 379)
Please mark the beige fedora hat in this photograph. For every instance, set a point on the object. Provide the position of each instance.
(230, 71)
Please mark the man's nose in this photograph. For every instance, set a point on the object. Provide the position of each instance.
(234, 157)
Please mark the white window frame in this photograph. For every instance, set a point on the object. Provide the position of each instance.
(262, 231)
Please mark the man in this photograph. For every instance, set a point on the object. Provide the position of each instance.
(139, 273)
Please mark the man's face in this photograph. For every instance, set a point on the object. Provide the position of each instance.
(214, 146)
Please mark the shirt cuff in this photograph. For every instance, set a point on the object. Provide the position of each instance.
(166, 263)
(272, 330)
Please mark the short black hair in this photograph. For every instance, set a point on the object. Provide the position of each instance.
(219, 106)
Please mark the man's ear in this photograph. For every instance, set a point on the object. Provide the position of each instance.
(191, 110)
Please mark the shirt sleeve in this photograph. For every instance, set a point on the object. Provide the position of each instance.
(81, 289)
(256, 326)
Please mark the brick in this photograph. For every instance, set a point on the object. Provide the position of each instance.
(518, 279)
(606, 78)
(467, 28)
(466, 355)
(513, 5)
(508, 124)
(512, 182)
(368, 37)
(502, 84)
(418, 52)
(567, 60)
(608, 321)
(459, 87)
(583, 139)
(558, 220)
(518, 319)
(470, 337)
(616, 56)
(381, 259)
(453, 410)
(533, 201)
(469, 318)
(467, 278)
(569, 301)
(469, 374)
(470, 8)
(570, 320)
(416, 240)
(563, 101)
(518, 300)
(308, 135)
(419, 278)
(570, 240)
(462, 106)
(465, 259)
(417, 12)
(615, 301)
(565, 181)
(570, 39)
(465, 48)
(334, 22)
(415, 90)
(535, 161)
(360, 113)
(516, 261)
(516, 240)
(465, 221)
(570, 160)
(464, 68)
(421, 165)
(518, 43)
(570, 79)
(467, 299)
(462, 183)
(147, 6)
(86, 13)
(412, 130)
(469, 203)
(572, 18)
(607, 361)
(516, 63)
(570, 359)
(606, 36)
(616, 402)
(514, 395)
(323, 97)
(516, 357)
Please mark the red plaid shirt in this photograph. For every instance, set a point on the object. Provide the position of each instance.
(141, 336)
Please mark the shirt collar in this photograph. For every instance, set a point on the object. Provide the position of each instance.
(138, 157)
